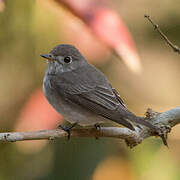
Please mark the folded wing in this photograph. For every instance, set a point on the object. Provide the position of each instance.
(102, 101)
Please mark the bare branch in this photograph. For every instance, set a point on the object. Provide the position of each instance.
(165, 121)
(156, 27)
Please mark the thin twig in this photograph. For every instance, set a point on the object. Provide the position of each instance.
(156, 27)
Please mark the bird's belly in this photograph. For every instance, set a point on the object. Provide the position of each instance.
(70, 111)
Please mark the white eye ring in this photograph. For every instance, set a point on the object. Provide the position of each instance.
(68, 59)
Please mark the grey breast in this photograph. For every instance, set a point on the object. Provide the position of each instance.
(70, 111)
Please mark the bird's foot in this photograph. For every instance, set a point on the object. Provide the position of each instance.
(98, 128)
(67, 129)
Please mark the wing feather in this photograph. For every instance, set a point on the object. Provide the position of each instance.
(92, 91)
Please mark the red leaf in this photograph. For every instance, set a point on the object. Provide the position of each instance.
(109, 27)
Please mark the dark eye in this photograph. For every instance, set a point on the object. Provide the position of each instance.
(68, 59)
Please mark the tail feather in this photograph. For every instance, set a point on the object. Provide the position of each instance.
(126, 124)
(140, 120)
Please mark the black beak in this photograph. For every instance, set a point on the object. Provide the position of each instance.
(48, 56)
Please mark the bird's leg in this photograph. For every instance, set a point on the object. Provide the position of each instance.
(98, 128)
(67, 129)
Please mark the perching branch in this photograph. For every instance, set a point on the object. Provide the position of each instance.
(165, 121)
(156, 27)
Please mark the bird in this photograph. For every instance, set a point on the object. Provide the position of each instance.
(82, 94)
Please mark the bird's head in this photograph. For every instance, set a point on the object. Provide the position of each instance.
(63, 58)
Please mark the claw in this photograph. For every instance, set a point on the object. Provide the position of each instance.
(67, 129)
(97, 126)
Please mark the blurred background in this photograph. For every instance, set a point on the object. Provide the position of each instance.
(114, 36)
